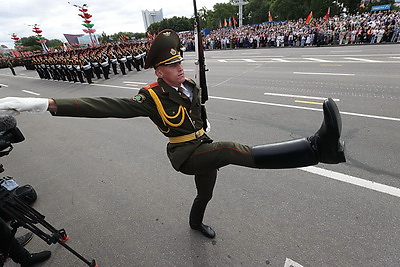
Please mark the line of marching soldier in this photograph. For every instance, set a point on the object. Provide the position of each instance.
(83, 65)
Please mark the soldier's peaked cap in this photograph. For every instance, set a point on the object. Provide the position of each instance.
(164, 50)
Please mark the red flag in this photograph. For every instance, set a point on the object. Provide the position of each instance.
(225, 23)
(234, 21)
(327, 14)
(309, 18)
(270, 17)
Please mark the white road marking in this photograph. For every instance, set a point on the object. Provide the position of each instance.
(362, 59)
(115, 86)
(135, 82)
(251, 53)
(301, 96)
(280, 60)
(324, 73)
(20, 76)
(4, 85)
(318, 59)
(249, 60)
(30, 92)
(353, 180)
(345, 51)
(291, 263)
(355, 55)
(305, 108)
(370, 116)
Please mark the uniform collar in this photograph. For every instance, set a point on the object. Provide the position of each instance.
(173, 93)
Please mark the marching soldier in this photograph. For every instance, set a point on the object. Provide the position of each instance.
(137, 59)
(59, 67)
(70, 67)
(113, 59)
(94, 61)
(52, 66)
(87, 68)
(45, 67)
(129, 58)
(65, 68)
(77, 64)
(10, 64)
(173, 104)
(121, 61)
(37, 66)
(105, 64)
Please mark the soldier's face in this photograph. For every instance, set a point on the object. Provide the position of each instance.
(172, 74)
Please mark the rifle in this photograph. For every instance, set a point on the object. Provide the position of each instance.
(201, 67)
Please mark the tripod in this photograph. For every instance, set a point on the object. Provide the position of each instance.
(27, 217)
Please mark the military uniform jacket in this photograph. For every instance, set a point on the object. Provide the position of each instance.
(158, 101)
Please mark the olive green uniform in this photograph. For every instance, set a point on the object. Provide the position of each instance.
(175, 118)
(182, 155)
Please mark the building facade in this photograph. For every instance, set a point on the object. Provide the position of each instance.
(149, 17)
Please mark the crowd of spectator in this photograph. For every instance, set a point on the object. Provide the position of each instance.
(363, 28)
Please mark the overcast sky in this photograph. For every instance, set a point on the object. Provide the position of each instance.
(56, 17)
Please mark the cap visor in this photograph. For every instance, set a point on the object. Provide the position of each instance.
(174, 60)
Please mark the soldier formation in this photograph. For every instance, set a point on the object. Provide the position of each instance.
(83, 65)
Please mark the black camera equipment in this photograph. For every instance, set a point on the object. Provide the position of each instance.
(15, 200)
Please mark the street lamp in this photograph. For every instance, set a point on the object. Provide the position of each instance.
(39, 37)
(17, 42)
(240, 3)
(86, 19)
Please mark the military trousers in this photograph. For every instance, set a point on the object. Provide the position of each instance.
(204, 163)
(212, 156)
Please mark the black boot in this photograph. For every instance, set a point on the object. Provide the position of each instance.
(326, 141)
(324, 146)
(196, 219)
(206, 230)
(36, 258)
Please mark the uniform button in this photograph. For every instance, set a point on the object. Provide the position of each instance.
(194, 122)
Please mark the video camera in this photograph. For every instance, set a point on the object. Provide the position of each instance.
(15, 200)
(9, 134)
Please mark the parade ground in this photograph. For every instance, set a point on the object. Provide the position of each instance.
(109, 183)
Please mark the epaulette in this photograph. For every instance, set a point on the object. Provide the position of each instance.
(190, 80)
(152, 85)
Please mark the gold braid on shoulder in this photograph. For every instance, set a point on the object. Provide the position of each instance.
(164, 116)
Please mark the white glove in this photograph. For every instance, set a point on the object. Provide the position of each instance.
(16, 105)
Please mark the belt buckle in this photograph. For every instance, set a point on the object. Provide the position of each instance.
(197, 134)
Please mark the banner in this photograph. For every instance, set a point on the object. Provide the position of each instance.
(382, 7)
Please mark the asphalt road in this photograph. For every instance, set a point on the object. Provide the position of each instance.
(109, 184)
